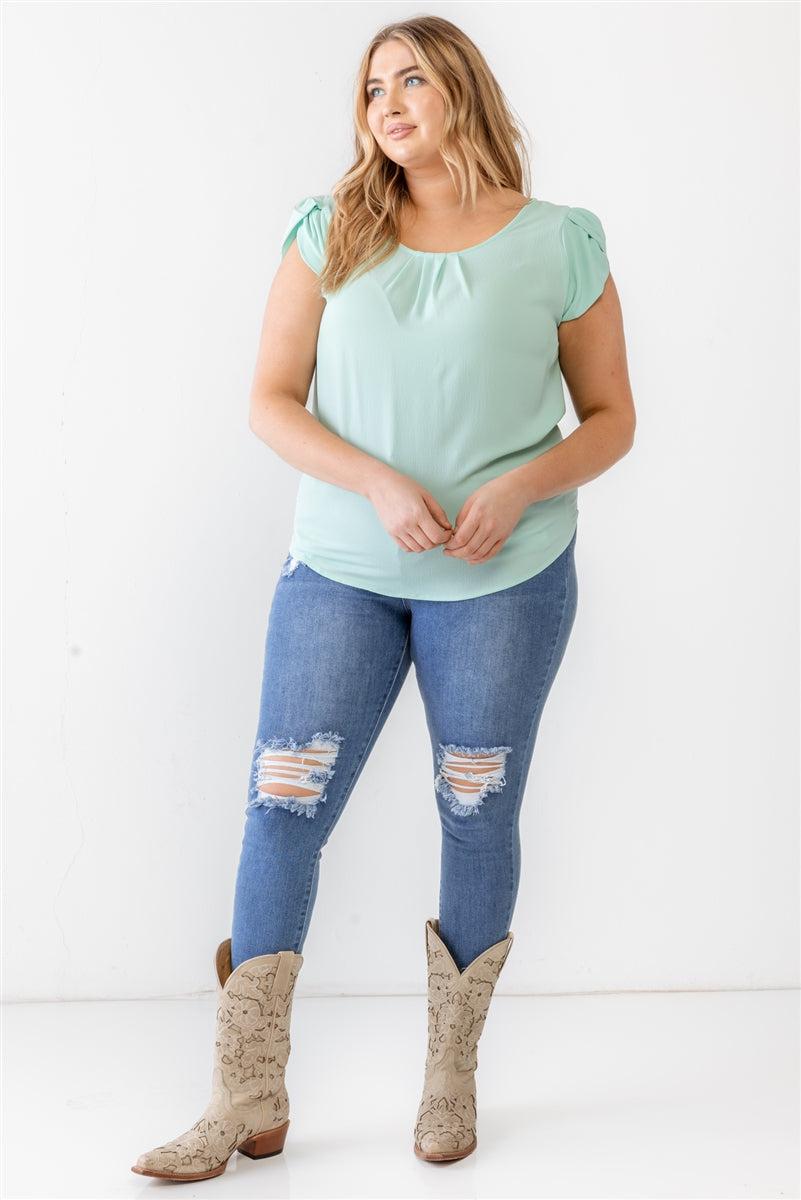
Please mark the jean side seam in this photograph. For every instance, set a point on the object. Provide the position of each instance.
(534, 723)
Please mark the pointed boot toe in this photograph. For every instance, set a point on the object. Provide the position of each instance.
(249, 1106)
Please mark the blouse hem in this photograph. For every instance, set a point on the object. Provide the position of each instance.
(339, 577)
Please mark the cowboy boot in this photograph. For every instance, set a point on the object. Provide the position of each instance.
(458, 1003)
(249, 1106)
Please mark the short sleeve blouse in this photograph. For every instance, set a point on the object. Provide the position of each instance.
(308, 224)
(584, 244)
(445, 366)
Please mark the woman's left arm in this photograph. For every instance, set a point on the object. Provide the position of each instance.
(592, 356)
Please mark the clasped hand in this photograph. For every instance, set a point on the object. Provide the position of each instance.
(417, 521)
(485, 520)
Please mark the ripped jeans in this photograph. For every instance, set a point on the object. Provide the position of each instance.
(335, 660)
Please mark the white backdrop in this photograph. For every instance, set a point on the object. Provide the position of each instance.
(152, 154)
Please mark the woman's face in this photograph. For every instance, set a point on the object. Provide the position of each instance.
(400, 94)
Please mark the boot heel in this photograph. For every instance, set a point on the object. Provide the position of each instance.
(262, 1145)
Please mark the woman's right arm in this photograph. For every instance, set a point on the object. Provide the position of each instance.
(278, 415)
(284, 367)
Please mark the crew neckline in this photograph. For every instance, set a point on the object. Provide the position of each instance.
(477, 245)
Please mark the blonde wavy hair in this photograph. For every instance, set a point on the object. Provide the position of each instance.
(482, 144)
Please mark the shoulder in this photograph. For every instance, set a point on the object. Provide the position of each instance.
(581, 223)
(315, 211)
(308, 222)
(323, 203)
(570, 221)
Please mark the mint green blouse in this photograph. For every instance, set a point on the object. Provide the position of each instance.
(444, 364)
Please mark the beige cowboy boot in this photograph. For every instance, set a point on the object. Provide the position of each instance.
(249, 1106)
(458, 1003)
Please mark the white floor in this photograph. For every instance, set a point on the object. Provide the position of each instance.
(691, 1094)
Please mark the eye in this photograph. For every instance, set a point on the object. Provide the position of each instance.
(371, 90)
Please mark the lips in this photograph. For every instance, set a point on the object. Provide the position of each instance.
(395, 131)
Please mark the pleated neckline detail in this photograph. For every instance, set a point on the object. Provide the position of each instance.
(479, 245)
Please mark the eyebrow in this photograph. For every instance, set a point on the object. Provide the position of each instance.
(413, 67)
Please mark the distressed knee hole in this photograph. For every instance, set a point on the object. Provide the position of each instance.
(293, 775)
(467, 774)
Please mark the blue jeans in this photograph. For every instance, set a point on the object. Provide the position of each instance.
(335, 659)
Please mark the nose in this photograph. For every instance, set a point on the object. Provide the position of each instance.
(393, 104)
(394, 112)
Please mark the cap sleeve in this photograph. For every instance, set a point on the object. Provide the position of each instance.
(308, 223)
(586, 264)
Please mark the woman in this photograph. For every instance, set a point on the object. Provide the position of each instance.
(440, 306)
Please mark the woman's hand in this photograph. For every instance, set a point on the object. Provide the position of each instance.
(408, 512)
(486, 519)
